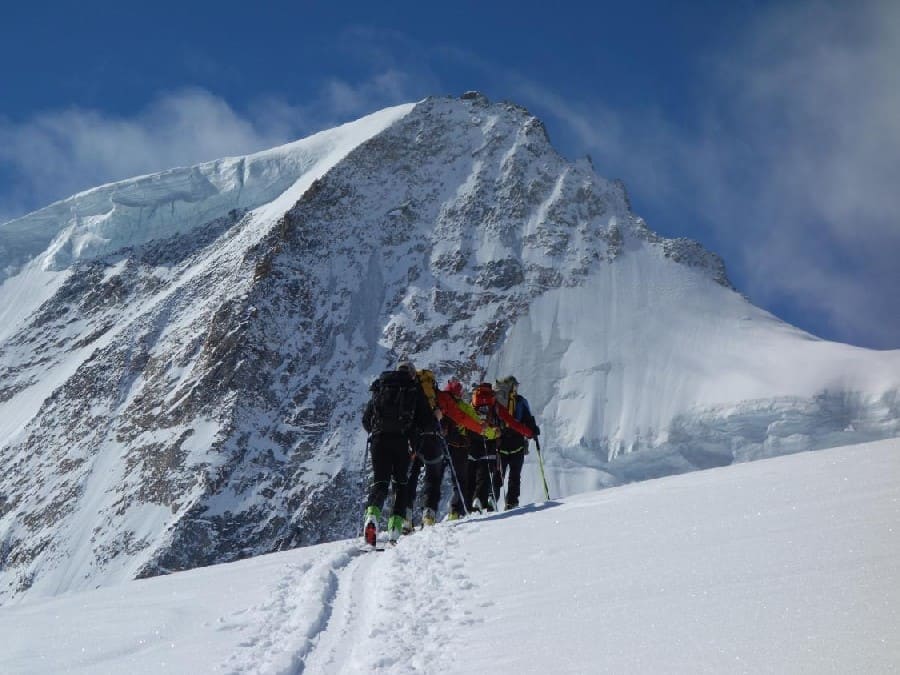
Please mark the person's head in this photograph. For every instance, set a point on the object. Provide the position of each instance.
(407, 367)
(506, 388)
(455, 387)
(509, 383)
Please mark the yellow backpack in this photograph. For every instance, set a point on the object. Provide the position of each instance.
(427, 381)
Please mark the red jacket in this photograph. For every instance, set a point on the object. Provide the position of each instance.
(448, 405)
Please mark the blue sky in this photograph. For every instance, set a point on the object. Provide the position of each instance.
(769, 131)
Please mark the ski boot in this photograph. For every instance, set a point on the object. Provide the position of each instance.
(428, 517)
(370, 525)
(395, 528)
(476, 506)
(454, 515)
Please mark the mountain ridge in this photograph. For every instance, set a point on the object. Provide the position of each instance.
(196, 398)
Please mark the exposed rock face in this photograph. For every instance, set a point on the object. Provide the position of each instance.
(207, 386)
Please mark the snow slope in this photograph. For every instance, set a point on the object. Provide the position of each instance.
(790, 564)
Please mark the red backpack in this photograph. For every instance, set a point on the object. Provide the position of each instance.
(483, 396)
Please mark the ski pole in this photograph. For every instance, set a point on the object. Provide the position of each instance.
(456, 483)
(491, 473)
(501, 477)
(365, 459)
(366, 452)
(541, 466)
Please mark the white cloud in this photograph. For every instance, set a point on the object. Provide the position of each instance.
(813, 104)
(792, 162)
(58, 153)
(641, 147)
(61, 152)
(383, 89)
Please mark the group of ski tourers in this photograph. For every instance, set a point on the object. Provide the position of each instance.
(414, 426)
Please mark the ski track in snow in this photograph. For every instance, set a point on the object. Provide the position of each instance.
(352, 611)
(286, 627)
(349, 617)
(423, 581)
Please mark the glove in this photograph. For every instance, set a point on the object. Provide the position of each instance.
(491, 433)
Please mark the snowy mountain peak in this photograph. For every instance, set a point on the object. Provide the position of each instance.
(134, 211)
(184, 356)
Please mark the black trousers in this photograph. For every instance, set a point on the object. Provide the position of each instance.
(430, 457)
(390, 462)
(512, 462)
(412, 486)
(431, 452)
(484, 471)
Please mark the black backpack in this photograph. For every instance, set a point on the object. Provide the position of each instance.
(392, 408)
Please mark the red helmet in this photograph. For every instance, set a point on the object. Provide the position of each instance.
(454, 386)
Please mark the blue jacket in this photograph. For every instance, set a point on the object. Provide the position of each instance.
(511, 440)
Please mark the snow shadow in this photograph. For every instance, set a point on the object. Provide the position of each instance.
(518, 511)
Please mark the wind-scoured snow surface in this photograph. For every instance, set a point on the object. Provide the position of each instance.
(788, 565)
(184, 356)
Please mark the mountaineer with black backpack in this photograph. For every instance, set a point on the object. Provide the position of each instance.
(428, 454)
(395, 415)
